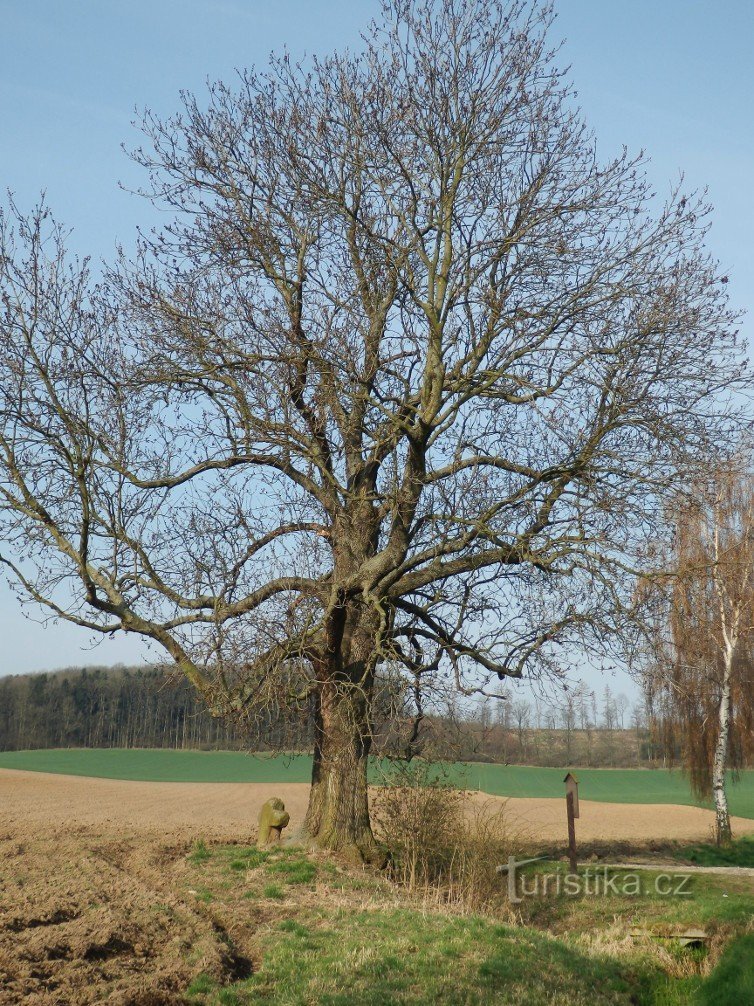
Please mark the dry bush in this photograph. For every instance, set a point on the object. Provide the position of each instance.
(443, 843)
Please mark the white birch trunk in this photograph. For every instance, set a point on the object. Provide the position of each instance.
(719, 792)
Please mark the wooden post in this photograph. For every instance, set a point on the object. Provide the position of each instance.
(572, 806)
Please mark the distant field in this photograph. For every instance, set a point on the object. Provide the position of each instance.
(620, 785)
(602, 785)
(148, 765)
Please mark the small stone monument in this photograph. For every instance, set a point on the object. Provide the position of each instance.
(273, 817)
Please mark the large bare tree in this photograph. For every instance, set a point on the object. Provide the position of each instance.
(405, 380)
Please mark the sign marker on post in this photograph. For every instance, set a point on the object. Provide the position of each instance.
(572, 806)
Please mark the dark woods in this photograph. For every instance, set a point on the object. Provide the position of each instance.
(126, 707)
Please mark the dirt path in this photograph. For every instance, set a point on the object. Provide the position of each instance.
(228, 811)
(678, 867)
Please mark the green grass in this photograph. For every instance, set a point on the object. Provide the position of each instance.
(351, 943)
(248, 856)
(201, 985)
(730, 984)
(151, 765)
(294, 871)
(732, 981)
(273, 892)
(602, 785)
(738, 853)
(406, 957)
(199, 853)
(708, 900)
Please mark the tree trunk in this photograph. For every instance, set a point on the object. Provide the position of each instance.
(722, 816)
(338, 813)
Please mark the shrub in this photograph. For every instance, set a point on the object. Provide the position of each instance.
(441, 839)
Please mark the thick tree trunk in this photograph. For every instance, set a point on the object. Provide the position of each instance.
(722, 816)
(338, 813)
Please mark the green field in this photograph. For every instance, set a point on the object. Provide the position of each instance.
(149, 765)
(604, 785)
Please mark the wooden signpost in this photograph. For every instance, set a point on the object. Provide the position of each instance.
(572, 804)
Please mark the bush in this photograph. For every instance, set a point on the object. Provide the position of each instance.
(441, 840)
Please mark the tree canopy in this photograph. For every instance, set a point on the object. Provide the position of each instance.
(406, 378)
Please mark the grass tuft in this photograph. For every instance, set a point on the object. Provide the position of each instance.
(291, 926)
(200, 853)
(274, 892)
(294, 871)
(202, 985)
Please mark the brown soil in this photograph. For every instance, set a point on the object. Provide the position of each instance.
(90, 918)
(545, 821)
(96, 903)
(228, 811)
(186, 810)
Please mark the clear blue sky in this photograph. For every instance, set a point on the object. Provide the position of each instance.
(675, 77)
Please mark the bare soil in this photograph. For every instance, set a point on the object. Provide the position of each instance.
(88, 918)
(639, 823)
(95, 897)
(228, 811)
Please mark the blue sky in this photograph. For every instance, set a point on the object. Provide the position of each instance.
(675, 77)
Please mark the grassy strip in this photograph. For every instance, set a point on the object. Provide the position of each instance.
(401, 956)
(151, 765)
(732, 981)
(739, 853)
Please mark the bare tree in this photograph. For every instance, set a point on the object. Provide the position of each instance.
(609, 714)
(521, 713)
(407, 378)
(584, 700)
(568, 716)
(609, 717)
(708, 710)
(622, 705)
(639, 727)
(505, 721)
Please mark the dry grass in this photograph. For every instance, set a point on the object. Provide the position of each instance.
(445, 844)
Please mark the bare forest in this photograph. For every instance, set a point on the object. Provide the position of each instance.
(153, 707)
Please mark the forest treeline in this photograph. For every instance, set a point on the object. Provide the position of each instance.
(123, 707)
(154, 707)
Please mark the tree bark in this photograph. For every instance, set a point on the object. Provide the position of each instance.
(723, 833)
(338, 814)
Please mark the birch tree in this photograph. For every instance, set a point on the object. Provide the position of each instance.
(406, 378)
(710, 685)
